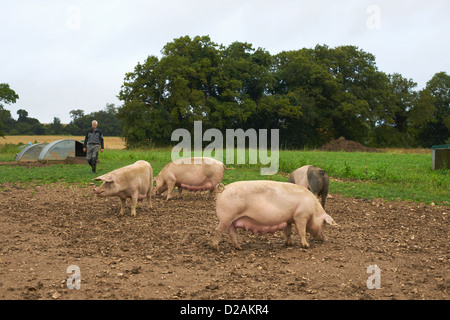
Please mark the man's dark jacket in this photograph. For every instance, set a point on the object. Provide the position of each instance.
(94, 138)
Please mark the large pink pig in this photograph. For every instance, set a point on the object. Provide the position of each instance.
(193, 174)
(269, 206)
(134, 181)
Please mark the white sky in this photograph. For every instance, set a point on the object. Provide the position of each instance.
(60, 55)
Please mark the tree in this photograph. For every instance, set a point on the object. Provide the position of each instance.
(310, 95)
(195, 80)
(311, 89)
(55, 128)
(143, 126)
(8, 96)
(7, 122)
(26, 125)
(241, 81)
(362, 94)
(187, 67)
(108, 121)
(392, 128)
(76, 114)
(23, 115)
(430, 116)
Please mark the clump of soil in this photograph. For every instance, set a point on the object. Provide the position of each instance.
(346, 145)
(27, 164)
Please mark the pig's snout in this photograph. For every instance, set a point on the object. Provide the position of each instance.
(321, 236)
(98, 191)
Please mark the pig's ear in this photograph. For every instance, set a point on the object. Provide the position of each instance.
(105, 177)
(329, 220)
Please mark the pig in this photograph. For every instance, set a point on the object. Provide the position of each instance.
(313, 178)
(134, 181)
(269, 206)
(193, 174)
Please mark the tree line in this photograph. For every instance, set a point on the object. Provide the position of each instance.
(78, 126)
(311, 95)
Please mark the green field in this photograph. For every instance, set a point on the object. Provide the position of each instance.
(391, 176)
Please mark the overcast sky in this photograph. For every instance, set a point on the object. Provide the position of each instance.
(60, 55)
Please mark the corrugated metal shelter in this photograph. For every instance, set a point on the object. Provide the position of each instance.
(31, 152)
(60, 150)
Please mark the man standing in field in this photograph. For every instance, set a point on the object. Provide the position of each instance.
(92, 142)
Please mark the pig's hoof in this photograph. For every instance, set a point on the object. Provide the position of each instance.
(305, 245)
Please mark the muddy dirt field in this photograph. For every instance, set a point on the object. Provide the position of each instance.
(166, 252)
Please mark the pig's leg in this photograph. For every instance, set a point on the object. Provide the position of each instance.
(232, 233)
(218, 235)
(212, 193)
(301, 229)
(287, 233)
(180, 191)
(170, 188)
(122, 206)
(211, 187)
(323, 195)
(149, 198)
(134, 200)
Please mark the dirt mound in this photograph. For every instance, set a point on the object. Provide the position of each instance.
(346, 145)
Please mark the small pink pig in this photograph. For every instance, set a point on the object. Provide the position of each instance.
(134, 181)
(192, 174)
